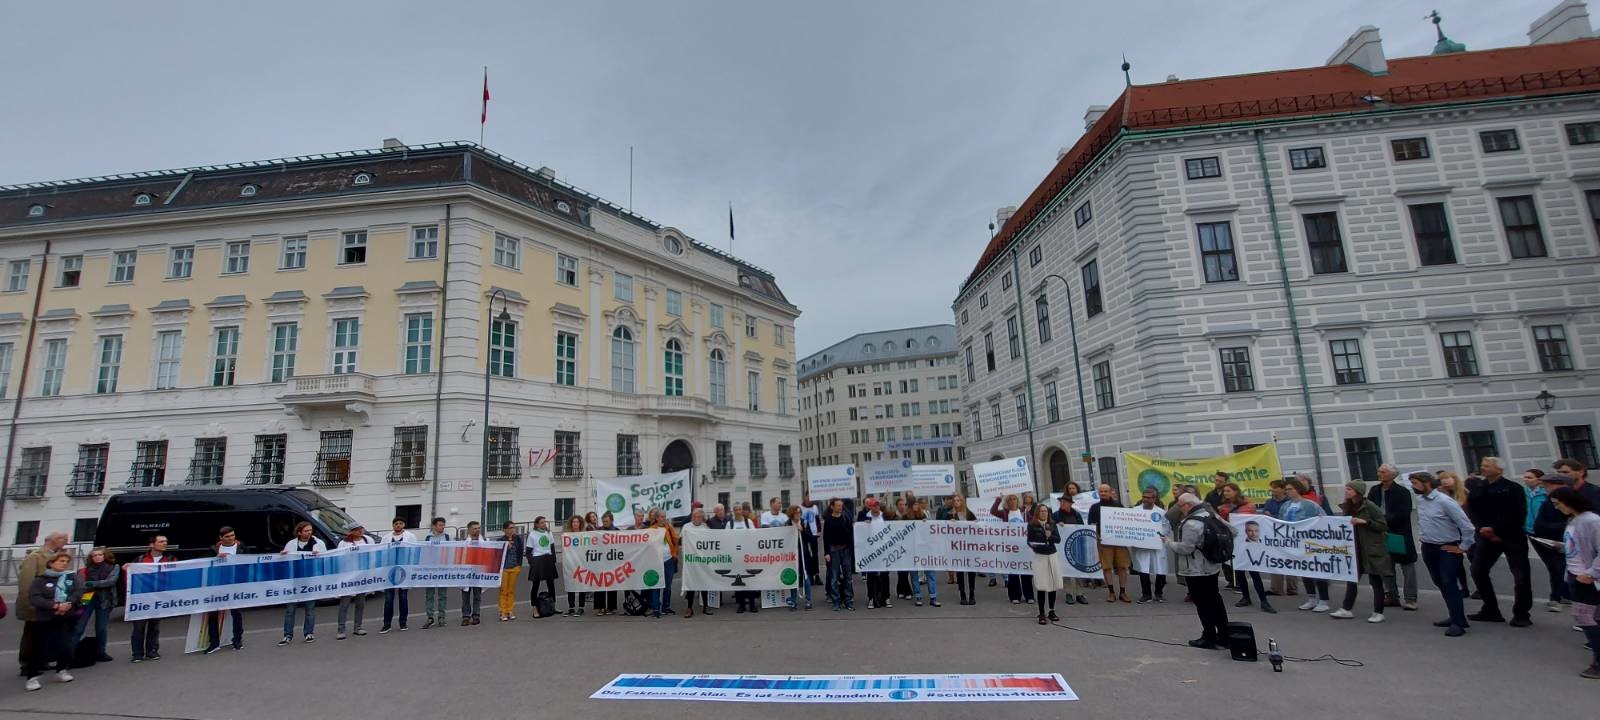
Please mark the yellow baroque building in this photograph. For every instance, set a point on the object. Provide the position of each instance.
(329, 320)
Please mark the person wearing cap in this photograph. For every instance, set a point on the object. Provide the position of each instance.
(1546, 522)
(1394, 499)
(1447, 535)
(1372, 555)
(355, 537)
(1498, 509)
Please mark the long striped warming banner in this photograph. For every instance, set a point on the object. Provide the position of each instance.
(208, 584)
(838, 688)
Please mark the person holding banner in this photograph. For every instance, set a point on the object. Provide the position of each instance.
(1045, 540)
(877, 582)
(919, 578)
(697, 520)
(147, 633)
(966, 582)
(402, 596)
(838, 543)
(810, 528)
(605, 603)
(304, 543)
(797, 518)
(472, 597)
(1018, 587)
(591, 521)
(1114, 559)
(748, 600)
(902, 511)
(355, 537)
(1146, 562)
(575, 600)
(1297, 507)
(227, 546)
(1235, 502)
(511, 567)
(1371, 551)
(661, 599)
(435, 599)
(1068, 515)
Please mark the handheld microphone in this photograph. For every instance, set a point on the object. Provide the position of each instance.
(1274, 655)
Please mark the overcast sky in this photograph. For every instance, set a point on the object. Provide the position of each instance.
(864, 145)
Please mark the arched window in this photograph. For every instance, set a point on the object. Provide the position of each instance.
(622, 360)
(933, 342)
(1041, 309)
(719, 379)
(672, 368)
(35, 211)
(911, 344)
(248, 190)
(141, 199)
(363, 178)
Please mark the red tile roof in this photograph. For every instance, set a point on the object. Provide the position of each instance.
(1555, 68)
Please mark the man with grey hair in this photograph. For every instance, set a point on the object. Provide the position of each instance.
(719, 517)
(1200, 571)
(1447, 535)
(1395, 501)
(30, 568)
(1499, 509)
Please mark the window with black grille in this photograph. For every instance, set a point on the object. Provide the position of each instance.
(408, 458)
(333, 458)
(266, 463)
(149, 464)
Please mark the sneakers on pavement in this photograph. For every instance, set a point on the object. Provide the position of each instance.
(1341, 614)
(1376, 618)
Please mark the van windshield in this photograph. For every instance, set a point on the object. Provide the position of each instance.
(332, 518)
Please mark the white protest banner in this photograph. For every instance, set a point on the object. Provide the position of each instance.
(606, 560)
(1080, 552)
(919, 444)
(831, 481)
(1132, 527)
(758, 559)
(805, 689)
(999, 478)
(621, 496)
(887, 476)
(933, 480)
(1323, 547)
(158, 590)
(943, 545)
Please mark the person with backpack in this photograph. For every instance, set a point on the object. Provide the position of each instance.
(1202, 543)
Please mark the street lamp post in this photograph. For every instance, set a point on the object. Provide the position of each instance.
(1077, 368)
(488, 372)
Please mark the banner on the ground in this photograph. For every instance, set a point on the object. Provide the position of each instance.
(1323, 547)
(1080, 552)
(831, 481)
(943, 545)
(1253, 470)
(1132, 527)
(933, 480)
(185, 587)
(758, 559)
(886, 476)
(999, 478)
(621, 496)
(607, 560)
(838, 688)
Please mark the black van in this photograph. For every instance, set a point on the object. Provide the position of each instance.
(263, 517)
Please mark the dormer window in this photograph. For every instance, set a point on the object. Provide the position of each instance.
(362, 178)
(672, 244)
(562, 206)
(36, 211)
(248, 190)
(141, 199)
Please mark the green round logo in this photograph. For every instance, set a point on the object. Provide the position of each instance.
(1153, 478)
(788, 576)
(544, 541)
(651, 577)
(615, 502)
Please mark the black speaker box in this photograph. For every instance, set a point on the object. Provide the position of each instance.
(1242, 641)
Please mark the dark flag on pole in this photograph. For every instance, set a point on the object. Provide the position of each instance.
(730, 227)
(483, 117)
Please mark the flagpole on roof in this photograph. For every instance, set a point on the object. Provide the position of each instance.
(483, 113)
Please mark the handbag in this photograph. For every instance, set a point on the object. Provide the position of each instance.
(1396, 544)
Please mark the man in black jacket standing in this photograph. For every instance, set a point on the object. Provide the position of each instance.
(1395, 499)
(1498, 509)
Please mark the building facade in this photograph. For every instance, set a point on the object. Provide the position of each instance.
(883, 395)
(1377, 260)
(329, 321)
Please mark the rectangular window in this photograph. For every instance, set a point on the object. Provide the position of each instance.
(675, 303)
(169, 357)
(753, 389)
(507, 251)
(497, 513)
(32, 474)
(1082, 215)
(1237, 375)
(1363, 457)
(983, 301)
(1432, 228)
(503, 348)
(785, 462)
(1577, 442)
(505, 462)
(408, 457)
(27, 532)
(55, 366)
(1035, 256)
(567, 270)
(333, 458)
(999, 421)
(1327, 248)
(89, 475)
(716, 315)
(751, 326)
(672, 369)
(180, 264)
(236, 259)
(977, 425)
(1347, 366)
(566, 359)
(758, 461)
(1216, 252)
(1105, 396)
(988, 350)
(1052, 404)
(267, 462)
(1521, 222)
(210, 456)
(628, 460)
(225, 362)
(1005, 281)
(17, 275)
(1409, 149)
(71, 271)
(285, 343)
(346, 345)
(1460, 359)
(778, 337)
(1477, 445)
(1013, 342)
(149, 464)
(5, 368)
(1551, 341)
(1091, 289)
(972, 374)
(1499, 140)
(622, 287)
(1583, 133)
(1307, 158)
(569, 455)
(1593, 198)
(425, 242)
(108, 364)
(783, 396)
(419, 343)
(123, 262)
(292, 254)
(1201, 168)
(353, 248)
(724, 466)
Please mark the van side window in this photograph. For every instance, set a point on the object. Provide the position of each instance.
(280, 530)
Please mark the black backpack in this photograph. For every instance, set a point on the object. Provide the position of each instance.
(1216, 540)
(546, 604)
(633, 604)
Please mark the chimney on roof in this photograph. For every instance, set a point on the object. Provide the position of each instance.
(393, 144)
(1002, 215)
(547, 172)
(1093, 115)
(1567, 21)
(1172, 78)
(1364, 50)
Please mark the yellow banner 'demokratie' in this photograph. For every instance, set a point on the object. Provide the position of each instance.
(1253, 470)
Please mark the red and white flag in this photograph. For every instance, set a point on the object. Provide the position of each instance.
(483, 116)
